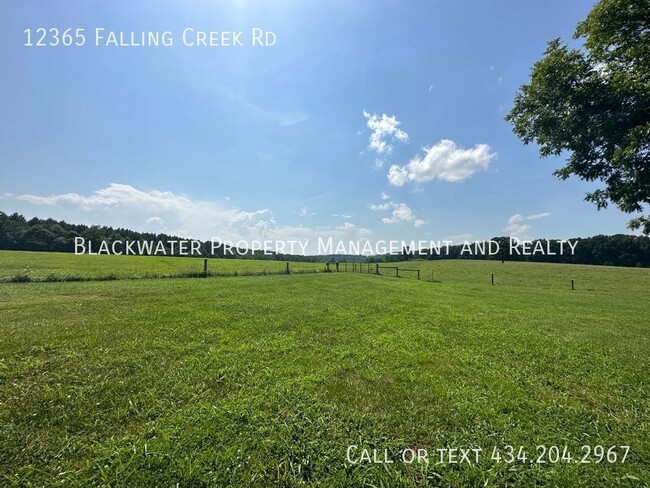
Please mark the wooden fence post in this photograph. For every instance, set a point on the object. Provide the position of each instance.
(205, 266)
(492, 278)
(288, 267)
(396, 271)
(418, 274)
(377, 269)
(573, 285)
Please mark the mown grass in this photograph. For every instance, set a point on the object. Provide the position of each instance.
(26, 267)
(266, 381)
(520, 274)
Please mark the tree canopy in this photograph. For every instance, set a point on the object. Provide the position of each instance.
(593, 103)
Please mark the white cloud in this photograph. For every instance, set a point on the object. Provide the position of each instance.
(538, 216)
(380, 206)
(120, 205)
(347, 226)
(125, 206)
(155, 220)
(112, 196)
(384, 195)
(444, 161)
(156, 224)
(397, 175)
(304, 213)
(385, 132)
(257, 223)
(401, 213)
(516, 225)
(346, 215)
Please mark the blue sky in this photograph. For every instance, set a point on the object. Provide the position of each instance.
(366, 119)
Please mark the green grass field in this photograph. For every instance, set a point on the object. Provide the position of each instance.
(39, 266)
(266, 380)
(521, 274)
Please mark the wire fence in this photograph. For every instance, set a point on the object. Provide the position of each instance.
(371, 268)
(58, 267)
(497, 274)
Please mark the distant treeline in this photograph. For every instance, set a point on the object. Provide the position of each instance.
(615, 250)
(20, 234)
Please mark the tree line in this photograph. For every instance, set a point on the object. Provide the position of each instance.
(614, 250)
(19, 234)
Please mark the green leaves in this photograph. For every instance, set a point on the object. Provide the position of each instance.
(594, 103)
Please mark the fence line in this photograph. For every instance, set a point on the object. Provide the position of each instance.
(286, 268)
(282, 267)
(367, 268)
